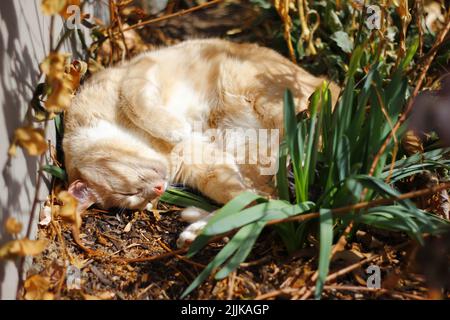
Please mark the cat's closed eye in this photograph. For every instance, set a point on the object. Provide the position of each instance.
(127, 194)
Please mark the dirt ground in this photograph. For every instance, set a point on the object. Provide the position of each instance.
(127, 242)
(134, 250)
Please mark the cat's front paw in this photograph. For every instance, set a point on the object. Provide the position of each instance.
(190, 233)
(198, 219)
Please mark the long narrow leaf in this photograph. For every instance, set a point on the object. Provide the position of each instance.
(326, 241)
(243, 251)
(231, 208)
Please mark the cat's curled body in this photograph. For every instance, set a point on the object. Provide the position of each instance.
(124, 122)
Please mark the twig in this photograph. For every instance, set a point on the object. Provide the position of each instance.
(304, 217)
(33, 210)
(162, 244)
(151, 258)
(350, 268)
(366, 204)
(419, 16)
(119, 23)
(231, 281)
(408, 108)
(400, 121)
(255, 262)
(146, 289)
(375, 290)
(62, 39)
(275, 293)
(339, 273)
(283, 11)
(169, 16)
(432, 51)
(343, 238)
(52, 24)
(330, 277)
(102, 277)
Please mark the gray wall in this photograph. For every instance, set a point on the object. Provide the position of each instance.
(24, 43)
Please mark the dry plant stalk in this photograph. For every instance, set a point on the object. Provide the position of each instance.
(282, 7)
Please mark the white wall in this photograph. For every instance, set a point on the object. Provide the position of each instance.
(24, 43)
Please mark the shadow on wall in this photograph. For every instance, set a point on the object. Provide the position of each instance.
(24, 43)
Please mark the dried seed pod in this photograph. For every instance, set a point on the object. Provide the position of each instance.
(412, 143)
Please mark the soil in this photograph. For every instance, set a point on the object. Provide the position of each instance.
(118, 237)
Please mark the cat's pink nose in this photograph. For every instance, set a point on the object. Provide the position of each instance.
(159, 189)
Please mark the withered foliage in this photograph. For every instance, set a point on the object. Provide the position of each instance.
(115, 255)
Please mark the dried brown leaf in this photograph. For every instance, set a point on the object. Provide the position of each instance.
(100, 296)
(75, 71)
(412, 143)
(59, 82)
(51, 7)
(12, 226)
(36, 288)
(68, 211)
(45, 216)
(12, 151)
(31, 139)
(90, 297)
(63, 12)
(22, 247)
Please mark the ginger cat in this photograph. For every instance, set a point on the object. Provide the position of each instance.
(126, 121)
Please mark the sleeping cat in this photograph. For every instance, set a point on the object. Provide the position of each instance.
(126, 121)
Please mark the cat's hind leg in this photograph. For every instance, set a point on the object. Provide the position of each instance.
(203, 166)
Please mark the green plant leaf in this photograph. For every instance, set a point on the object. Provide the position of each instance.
(282, 177)
(55, 171)
(231, 208)
(241, 254)
(326, 241)
(219, 259)
(343, 40)
(186, 199)
(292, 140)
(271, 210)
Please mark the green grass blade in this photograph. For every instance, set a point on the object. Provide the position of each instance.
(291, 134)
(219, 259)
(412, 49)
(55, 171)
(282, 175)
(231, 208)
(326, 241)
(244, 250)
(272, 210)
(225, 223)
(186, 199)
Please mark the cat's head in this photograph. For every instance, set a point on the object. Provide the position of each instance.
(113, 170)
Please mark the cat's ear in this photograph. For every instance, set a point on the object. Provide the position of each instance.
(80, 191)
